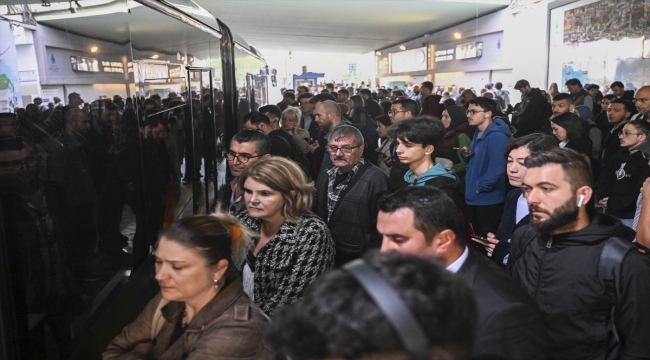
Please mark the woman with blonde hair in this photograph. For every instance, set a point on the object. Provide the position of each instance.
(201, 310)
(292, 246)
(289, 122)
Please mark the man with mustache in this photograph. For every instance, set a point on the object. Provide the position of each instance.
(581, 268)
(348, 192)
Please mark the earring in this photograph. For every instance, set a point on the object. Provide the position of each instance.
(216, 284)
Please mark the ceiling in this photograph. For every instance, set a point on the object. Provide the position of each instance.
(333, 26)
(342, 26)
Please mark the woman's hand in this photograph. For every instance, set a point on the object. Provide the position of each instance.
(489, 244)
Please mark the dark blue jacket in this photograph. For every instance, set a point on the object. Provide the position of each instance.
(486, 169)
(508, 227)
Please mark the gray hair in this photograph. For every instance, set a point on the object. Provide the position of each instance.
(292, 112)
(346, 132)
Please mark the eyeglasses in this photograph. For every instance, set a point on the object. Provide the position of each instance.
(626, 133)
(473, 112)
(640, 100)
(347, 150)
(394, 112)
(242, 158)
(17, 165)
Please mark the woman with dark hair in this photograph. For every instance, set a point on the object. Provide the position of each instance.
(458, 134)
(515, 212)
(567, 128)
(357, 113)
(361, 118)
(201, 310)
(292, 245)
(384, 161)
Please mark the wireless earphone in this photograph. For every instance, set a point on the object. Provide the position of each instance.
(582, 199)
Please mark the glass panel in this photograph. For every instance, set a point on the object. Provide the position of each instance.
(66, 189)
(94, 147)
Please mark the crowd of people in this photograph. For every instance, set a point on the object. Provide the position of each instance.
(361, 224)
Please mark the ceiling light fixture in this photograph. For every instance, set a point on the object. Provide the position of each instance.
(183, 58)
(154, 56)
(378, 53)
(192, 59)
(93, 49)
(457, 35)
(402, 47)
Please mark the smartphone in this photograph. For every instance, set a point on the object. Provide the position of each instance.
(480, 238)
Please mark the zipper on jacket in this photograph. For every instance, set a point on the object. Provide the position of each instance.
(549, 243)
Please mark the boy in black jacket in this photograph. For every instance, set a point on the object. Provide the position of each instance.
(624, 173)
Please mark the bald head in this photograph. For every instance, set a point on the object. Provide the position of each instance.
(327, 115)
(642, 98)
(330, 107)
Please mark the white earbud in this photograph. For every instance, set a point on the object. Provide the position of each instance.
(582, 199)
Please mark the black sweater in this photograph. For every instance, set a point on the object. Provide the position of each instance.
(621, 180)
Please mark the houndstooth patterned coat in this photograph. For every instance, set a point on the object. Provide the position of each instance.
(290, 261)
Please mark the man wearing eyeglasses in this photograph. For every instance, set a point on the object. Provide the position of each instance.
(623, 175)
(485, 190)
(246, 147)
(348, 192)
(642, 102)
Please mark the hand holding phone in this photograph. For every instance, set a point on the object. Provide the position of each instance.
(465, 151)
(488, 242)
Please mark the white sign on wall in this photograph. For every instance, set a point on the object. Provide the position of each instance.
(409, 60)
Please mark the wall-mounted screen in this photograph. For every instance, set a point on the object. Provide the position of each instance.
(469, 50)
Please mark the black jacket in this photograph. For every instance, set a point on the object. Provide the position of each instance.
(353, 223)
(508, 226)
(580, 145)
(561, 274)
(509, 325)
(373, 108)
(611, 142)
(535, 113)
(621, 179)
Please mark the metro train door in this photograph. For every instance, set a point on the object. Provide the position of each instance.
(205, 119)
(250, 92)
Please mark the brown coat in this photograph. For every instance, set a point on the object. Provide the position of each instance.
(230, 326)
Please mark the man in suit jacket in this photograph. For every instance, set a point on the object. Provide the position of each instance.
(424, 220)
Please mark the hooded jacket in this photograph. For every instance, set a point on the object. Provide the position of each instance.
(561, 274)
(486, 169)
(535, 111)
(620, 181)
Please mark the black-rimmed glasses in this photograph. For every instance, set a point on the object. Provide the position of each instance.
(347, 150)
(242, 158)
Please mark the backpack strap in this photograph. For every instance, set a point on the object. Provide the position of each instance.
(611, 257)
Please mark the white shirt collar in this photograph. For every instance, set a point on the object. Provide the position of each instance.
(455, 266)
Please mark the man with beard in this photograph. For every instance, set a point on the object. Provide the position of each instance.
(348, 192)
(581, 268)
(144, 172)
